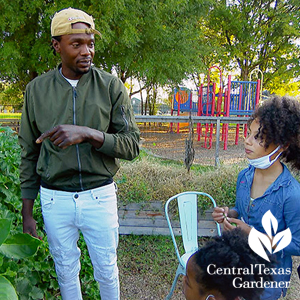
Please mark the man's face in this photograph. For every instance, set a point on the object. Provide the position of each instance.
(76, 52)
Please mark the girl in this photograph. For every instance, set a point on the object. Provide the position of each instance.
(267, 184)
(215, 271)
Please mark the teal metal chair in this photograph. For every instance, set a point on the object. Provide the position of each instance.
(188, 211)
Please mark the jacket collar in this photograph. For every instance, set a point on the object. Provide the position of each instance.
(63, 82)
(283, 180)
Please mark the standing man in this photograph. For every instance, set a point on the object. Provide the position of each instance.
(77, 121)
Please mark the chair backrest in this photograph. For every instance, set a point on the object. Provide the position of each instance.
(187, 208)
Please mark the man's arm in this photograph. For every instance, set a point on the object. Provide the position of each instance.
(64, 136)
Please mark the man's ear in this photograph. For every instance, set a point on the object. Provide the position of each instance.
(56, 45)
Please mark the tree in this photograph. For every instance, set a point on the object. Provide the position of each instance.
(253, 33)
(151, 40)
(24, 50)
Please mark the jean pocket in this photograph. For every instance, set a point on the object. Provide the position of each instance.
(107, 193)
(46, 204)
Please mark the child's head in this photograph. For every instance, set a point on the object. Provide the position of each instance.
(279, 124)
(205, 278)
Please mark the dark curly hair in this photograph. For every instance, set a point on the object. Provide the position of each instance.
(228, 251)
(279, 119)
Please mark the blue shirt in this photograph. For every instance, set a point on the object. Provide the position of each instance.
(282, 198)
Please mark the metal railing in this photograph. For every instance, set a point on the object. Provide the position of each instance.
(162, 137)
(155, 122)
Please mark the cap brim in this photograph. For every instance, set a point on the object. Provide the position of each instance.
(75, 31)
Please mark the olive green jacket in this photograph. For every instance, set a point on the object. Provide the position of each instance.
(99, 101)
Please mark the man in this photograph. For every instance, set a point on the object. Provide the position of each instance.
(77, 121)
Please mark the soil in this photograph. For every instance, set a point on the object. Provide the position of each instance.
(162, 142)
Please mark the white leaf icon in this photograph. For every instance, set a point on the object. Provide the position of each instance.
(256, 241)
(284, 238)
(268, 221)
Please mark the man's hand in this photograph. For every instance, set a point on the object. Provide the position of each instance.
(29, 224)
(64, 136)
(220, 213)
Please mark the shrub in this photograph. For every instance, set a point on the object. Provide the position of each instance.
(33, 277)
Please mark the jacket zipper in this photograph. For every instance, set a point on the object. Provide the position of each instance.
(124, 117)
(77, 146)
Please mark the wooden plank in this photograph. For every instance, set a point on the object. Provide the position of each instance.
(125, 230)
(12, 123)
(149, 219)
(153, 214)
(151, 206)
(161, 223)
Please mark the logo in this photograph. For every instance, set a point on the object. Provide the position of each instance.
(75, 18)
(272, 243)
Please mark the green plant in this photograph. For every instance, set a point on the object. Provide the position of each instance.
(33, 277)
(15, 247)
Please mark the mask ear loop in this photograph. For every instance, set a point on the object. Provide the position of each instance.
(273, 152)
(207, 298)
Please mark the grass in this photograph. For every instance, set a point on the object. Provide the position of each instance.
(154, 254)
(10, 115)
(149, 270)
(148, 178)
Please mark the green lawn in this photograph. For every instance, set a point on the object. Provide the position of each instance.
(10, 115)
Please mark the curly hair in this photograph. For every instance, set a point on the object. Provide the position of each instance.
(279, 120)
(228, 251)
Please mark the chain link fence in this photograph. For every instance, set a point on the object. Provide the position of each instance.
(167, 137)
(170, 137)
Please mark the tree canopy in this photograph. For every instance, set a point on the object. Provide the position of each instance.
(147, 39)
(257, 34)
(159, 42)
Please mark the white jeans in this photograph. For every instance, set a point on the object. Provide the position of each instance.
(94, 213)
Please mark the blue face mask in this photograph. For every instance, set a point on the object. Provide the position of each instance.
(265, 161)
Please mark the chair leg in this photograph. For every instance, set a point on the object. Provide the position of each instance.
(178, 272)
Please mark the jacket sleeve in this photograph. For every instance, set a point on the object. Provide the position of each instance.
(236, 206)
(122, 137)
(291, 210)
(30, 180)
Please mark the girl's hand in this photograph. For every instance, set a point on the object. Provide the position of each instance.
(220, 213)
(232, 223)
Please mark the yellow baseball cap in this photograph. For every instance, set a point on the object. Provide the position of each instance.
(62, 21)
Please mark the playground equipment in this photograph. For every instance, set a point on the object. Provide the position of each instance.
(238, 98)
(241, 98)
(184, 101)
(259, 72)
